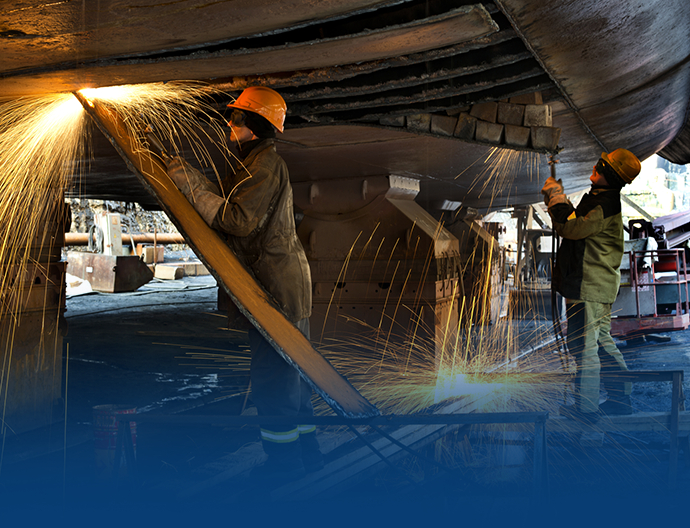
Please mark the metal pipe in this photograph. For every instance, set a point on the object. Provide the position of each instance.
(82, 239)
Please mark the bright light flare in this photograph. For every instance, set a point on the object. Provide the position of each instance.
(458, 385)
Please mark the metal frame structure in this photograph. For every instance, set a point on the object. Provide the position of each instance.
(124, 452)
(640, 324)
(669, 421)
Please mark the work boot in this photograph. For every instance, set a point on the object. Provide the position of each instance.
(572, 412)
(311, 452)
(619, 405)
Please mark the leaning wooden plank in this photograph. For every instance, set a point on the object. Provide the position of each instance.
(246, 293)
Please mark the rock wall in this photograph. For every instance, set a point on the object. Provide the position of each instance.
(134, 219)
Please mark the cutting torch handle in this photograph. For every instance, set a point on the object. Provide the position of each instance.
(155, 145)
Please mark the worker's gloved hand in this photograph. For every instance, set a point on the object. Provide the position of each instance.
(185, 177)
(552, 190)
(200, 192)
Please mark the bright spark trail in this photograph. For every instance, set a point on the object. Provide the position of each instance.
(43, 147)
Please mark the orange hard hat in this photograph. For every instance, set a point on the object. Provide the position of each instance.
(624, 162)
(263, 101)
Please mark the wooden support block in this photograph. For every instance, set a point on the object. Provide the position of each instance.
(147, 254)
(485, 111)
(538, 115)
(510, 114)
(517, 136)
(168, 272)
(443, 125)
(530, 98)
(466, 126)
(394, 121)
(194, 269)
(545, 137)
(489, 132)
(419, 122)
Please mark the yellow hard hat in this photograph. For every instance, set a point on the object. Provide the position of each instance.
(624, 162)
(265, 102)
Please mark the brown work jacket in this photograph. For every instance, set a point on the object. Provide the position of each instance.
(254, 211)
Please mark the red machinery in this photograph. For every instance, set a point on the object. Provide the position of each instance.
(653, 296)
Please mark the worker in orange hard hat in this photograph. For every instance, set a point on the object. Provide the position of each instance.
(254, 212)
(586, 274)
(264, 102)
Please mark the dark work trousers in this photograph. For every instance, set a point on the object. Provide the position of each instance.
(279, 390)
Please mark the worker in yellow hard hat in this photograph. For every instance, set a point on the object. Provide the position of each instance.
(254, 212)
(586, 274)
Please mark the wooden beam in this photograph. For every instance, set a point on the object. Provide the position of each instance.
(482, 233)
(252, 300)
(459, 25)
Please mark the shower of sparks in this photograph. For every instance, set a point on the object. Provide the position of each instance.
(172, 110)
(40, 140)
(42, 154)
(42, 147)
(498, 172)
(409, 378)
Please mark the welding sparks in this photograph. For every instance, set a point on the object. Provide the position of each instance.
(43, 144)
(173, 111)
(42, 148)
(41, 140)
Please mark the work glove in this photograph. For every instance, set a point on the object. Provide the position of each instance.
(198, 190)
(185, 177)
(553, 191)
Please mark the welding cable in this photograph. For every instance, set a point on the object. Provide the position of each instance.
(382, 457)
(561, 344)
(415, 452)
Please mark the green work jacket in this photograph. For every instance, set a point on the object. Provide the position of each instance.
(589, 257)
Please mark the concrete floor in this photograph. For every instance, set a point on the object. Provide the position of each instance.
(145, 350)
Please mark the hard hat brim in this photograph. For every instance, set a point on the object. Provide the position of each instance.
(253, 111)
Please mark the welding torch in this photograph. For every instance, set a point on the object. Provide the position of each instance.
(155, 144)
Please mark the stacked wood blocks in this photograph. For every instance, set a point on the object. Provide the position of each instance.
(521, 122)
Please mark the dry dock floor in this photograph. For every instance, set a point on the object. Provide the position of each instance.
(159, 351)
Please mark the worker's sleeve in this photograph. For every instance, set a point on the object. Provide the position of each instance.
(573, 227)
(248, 203)
(201, 193)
